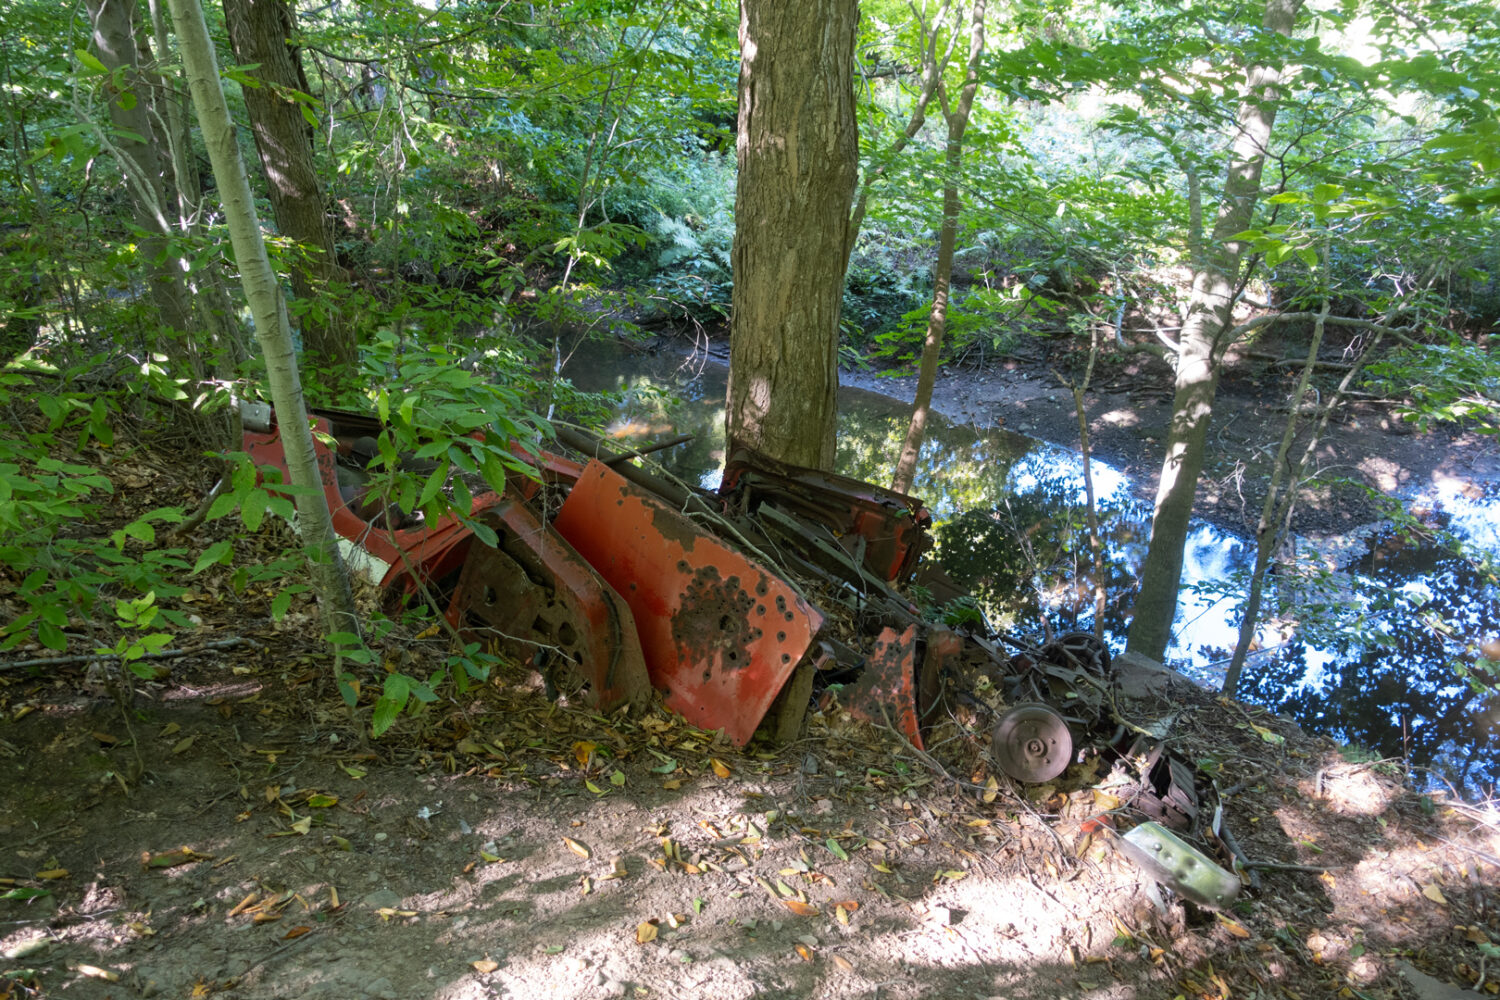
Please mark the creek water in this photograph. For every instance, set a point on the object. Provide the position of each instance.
(1368, 660)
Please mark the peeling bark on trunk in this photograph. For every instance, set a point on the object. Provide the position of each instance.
(1202, 344)
(260, 31)
(262, 289)
(798, 156)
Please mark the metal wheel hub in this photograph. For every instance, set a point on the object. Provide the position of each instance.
(1032, 743)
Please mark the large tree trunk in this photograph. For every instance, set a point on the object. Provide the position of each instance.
(260, 31)
(798, 155)
(942, 279)
(1201, 347)
(263, 291)
(135, 145)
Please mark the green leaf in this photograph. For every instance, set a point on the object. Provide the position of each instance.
(223, 504)
(385, 714)
(835, 849)
(22, 892)
(50, 636)
(89, 61)
(216, 553)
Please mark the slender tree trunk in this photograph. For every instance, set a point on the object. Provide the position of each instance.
(136, 146)
(216, 315)
(1201, 347)
(798, 150)
(266, 305)
(1267, 532)
(937, 329)
(260, 31)
(937, 321)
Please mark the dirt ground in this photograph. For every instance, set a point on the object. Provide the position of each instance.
(240, 837)
(1129, 407)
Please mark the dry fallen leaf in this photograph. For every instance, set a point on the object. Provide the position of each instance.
(577, 848)
(805, 952)
(171, 859)
(645, 932)
(1432, 892)
(672, 785)
(800, 908)
(1233, 926)
(184, 743)
(94, 972)
(296, 932)
(485, 966)
(843, 963)
(991, 789)
(720, 768)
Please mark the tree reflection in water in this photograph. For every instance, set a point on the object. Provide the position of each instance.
(1370, 665)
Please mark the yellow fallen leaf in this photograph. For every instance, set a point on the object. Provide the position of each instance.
(805, 952)
(296, 932)
(882, 868)
(485, 966)
(720, 768)
(645, 932)
(170, 728)
(583, 751)
(322, 800)
(672, 785)
(1432, 892)
(991, 789)
(1233, 926)
(52, 873)
(616, 868)
(577, 848)
(842, 914)
(592, 787)
(843, 963)
(800, 908)
(302, 825)
(184, 743)
(1104, 801)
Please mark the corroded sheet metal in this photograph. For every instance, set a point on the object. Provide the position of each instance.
(886, 692)
(887, 530)
(538, 599)
(404, 556)
(721, 635)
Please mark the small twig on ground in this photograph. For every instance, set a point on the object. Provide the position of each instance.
(165, 654)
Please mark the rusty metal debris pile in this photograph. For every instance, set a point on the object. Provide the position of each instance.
(742, 604)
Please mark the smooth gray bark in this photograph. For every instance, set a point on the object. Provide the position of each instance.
(331, 579)
(1202, 343)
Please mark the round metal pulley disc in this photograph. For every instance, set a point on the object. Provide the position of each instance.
(1032, 743)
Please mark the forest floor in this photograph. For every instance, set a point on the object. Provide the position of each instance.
(1129, 405)
(236, 835)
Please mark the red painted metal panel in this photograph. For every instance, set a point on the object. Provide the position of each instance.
(536, 597)
(721, 634)
(886, 691)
